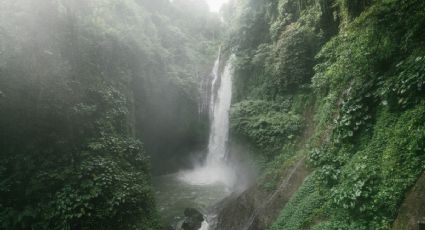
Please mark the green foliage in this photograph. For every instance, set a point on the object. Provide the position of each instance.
(354, 66)
(80, 82)
(268, 125)
(406, 88)
(368, 81)
(281, 60)
(110, 190)
(370, 186)
(372, 157)
(291, 60)
(349, 10)
(336, 225)
(302, 206)
(364, 187)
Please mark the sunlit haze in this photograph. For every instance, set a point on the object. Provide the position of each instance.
(216, 4)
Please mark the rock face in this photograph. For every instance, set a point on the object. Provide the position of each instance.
(256, 209)
(412, 212)
(193, 220)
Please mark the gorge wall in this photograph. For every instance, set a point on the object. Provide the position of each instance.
(341, 84)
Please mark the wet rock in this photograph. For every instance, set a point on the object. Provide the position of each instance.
(193, 219)
(257, 209)
(411, 215)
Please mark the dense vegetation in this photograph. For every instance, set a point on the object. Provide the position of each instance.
(82, 83)
(340, 82)
(93, 92)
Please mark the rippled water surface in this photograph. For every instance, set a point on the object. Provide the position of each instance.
(173, 195)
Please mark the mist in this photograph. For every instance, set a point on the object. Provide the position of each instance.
(97, 91)
(212, 114)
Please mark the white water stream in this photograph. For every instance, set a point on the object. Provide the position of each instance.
(213, 179)
(215, 168)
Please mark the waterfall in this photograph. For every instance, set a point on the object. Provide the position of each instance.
(220, 106)
(206, 88)
(215, 168)
(214, 74)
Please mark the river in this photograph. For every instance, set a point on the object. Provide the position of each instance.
(174, 195)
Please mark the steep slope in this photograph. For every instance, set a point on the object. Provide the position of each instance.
(411, 214)
(341, 83)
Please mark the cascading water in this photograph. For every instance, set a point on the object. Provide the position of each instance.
(215, 168)
(205, 101)
(220, 106)
(213, 179)
(214, 74)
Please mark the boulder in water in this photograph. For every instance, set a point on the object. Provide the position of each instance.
(193, 219)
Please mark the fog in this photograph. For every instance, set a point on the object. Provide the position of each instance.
(215, 5)
(100, 90)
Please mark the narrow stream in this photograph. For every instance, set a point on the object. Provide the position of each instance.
(214, 179)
